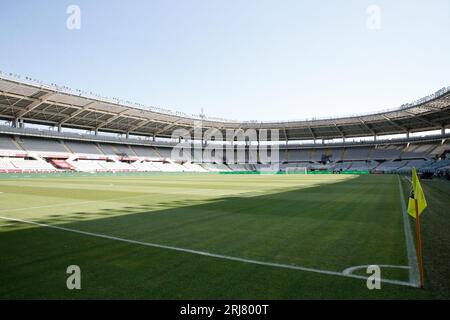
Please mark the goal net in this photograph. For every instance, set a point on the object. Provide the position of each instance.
(296, 170)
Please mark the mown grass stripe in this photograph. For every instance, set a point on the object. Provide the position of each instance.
(208, 254)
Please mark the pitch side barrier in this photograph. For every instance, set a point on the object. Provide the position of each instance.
(339, 172)
(296, 172)
(254, 172)
(258, 172)
(159, 173)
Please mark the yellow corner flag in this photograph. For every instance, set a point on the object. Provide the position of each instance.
(416, 194)
(416, 205)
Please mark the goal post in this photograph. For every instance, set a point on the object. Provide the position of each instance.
(296, 170)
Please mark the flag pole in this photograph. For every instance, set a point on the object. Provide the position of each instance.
(419, 244)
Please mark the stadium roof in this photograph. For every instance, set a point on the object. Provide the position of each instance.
(60, 106)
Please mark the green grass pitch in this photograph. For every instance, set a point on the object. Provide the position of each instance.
(322, 222)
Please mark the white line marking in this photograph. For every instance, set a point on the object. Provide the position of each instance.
(353, 269)
(410, 247)
(204, 253)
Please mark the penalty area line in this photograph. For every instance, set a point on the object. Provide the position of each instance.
(207, 254)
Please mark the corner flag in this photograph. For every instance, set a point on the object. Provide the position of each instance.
(416, 194)
(416, 205)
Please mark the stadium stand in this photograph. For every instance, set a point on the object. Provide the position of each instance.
(418, 164)
(144, 166)
(50, 154)
(5, 165)
(283, 155)
(389, 153)
(85, 165)
(363, 165)
(25, 165)
(6, 143)
(124, 150)
(100, 165)
(108, 149)
(146, 152)
(390, 166)
(215, 167)
(298, 155)
(146, 143)
(267, 168)
(36, 144)
(237, 167)
(193, 167)
(415, 151)
(164, 152)
(317, 155)
(341, 166)
(436, 165)
(336, 154)
(359, 153)
(440, 149)
(83, 147)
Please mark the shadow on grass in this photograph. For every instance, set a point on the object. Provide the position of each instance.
(328, 226)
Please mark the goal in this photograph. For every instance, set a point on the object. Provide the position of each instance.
(296, 170)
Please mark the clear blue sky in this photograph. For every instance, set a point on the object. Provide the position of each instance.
(247, 59)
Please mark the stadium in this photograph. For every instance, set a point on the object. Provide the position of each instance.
(105, 198)
(112, 189)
